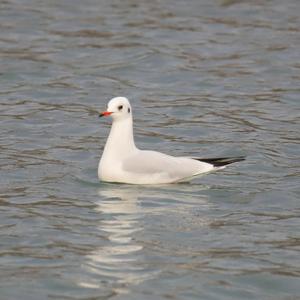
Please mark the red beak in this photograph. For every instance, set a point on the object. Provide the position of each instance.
(105, 114)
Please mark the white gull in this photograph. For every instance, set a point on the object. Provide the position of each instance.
(123, 162)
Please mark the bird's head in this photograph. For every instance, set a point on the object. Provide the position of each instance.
(118, 108)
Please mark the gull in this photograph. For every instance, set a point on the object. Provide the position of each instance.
(123, 162)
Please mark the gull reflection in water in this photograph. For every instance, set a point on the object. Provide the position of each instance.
(121, 260)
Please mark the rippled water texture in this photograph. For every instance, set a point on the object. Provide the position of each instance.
(205, 78)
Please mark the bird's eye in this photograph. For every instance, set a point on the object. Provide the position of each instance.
(120, 107)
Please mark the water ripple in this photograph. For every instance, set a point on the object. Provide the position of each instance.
(205, 78)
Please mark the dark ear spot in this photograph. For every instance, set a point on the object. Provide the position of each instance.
(128, 110)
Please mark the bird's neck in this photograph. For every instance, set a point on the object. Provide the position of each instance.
(120, 141)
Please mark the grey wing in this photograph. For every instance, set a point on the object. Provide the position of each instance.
(152, 162)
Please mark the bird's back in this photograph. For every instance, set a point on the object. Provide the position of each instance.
(156, 166)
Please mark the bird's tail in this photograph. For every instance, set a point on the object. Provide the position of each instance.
(222, 161)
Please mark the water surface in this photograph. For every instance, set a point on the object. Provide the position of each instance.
(205, 78)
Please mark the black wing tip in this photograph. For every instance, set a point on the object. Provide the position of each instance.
(222, 161)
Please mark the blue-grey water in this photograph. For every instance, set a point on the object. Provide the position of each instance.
(205, 78)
